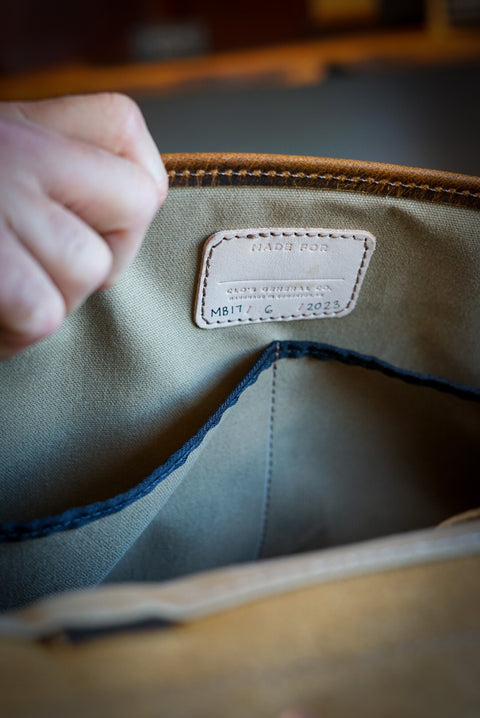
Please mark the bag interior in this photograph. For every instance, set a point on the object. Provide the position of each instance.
(122, 460)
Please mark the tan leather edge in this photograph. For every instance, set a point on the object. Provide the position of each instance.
(207, 593)
(471, 515)
(228, 169)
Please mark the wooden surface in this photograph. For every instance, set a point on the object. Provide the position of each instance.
(291, 65)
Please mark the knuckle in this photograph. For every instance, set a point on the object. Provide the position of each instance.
(86, 260)
(100, 263)
(35, 320)
(132, 116)
(128, 118)
(90, 267)
(31, 306)
(89, 263)
(119, 101)
(130, 130)
(148, 200)
(150, 197)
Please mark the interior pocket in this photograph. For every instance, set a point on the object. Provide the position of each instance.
(317, 446)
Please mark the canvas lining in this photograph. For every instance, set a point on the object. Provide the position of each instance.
(130, 366)
(129, 378)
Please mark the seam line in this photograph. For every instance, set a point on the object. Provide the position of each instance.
(269, 472)
(304, 175)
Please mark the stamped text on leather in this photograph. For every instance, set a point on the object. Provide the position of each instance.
(280, 274)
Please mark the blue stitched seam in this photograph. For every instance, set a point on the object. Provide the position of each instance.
(269, 469)
(79, 516)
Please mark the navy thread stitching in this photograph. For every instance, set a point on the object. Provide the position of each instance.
(79, 516)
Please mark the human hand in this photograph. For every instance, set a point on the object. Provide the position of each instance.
(80, 181)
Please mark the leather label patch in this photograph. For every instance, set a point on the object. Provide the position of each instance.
(265, 275)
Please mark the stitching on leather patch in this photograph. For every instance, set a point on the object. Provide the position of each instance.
(280, 274)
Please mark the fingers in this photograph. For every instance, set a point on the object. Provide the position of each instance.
(112, 195)
(73, 256)
(108, 120)
(80, 181)
(31, 307)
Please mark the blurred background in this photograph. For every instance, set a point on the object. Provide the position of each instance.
(381, 80)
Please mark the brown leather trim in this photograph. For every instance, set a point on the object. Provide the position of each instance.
(214, 170)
